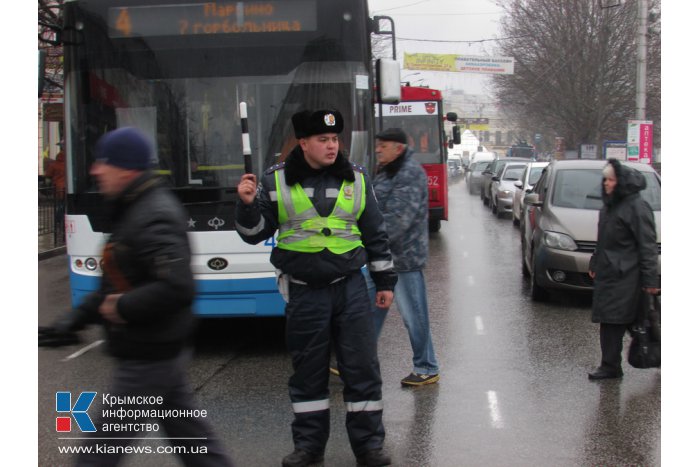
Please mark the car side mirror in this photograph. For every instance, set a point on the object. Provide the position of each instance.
(518, 184)
(495, 178)
(533, 199)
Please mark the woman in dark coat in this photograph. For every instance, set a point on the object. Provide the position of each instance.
(624, 263)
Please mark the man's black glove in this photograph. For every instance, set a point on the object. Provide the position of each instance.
(53, 336)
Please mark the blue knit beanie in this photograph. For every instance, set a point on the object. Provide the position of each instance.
(125, 147)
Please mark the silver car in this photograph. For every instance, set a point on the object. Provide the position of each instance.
(530, 176)
(503, 187)
(559, 227)
(489, 172)
(473, 177)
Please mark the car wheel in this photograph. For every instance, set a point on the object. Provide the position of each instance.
(537, 292)
(494, 207)
(523, 263)
(523, 267)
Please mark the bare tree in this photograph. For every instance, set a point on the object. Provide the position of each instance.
(574, 69)
(49, 22)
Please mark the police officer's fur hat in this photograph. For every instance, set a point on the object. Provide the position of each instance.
(307, 123)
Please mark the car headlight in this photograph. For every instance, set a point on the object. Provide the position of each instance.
(505, 194)
(559, 241)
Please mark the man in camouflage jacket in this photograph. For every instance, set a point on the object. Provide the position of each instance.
(401, 188)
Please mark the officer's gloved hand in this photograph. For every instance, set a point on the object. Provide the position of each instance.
(57, 335)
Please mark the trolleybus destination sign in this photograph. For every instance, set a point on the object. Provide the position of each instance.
(212, 18)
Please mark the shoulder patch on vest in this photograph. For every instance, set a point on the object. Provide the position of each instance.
(275, 168)
(359, 168)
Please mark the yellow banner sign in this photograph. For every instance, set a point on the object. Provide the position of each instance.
(458, 63)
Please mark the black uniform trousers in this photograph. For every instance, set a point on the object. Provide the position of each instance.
(155, 378)
(338, 314)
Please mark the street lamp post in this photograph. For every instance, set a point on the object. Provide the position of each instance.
(642, 13)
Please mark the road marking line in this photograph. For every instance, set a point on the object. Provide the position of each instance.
(479, 325)
(83, 350)
(496, 421)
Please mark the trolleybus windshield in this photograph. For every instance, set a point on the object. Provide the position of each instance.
(179, 69)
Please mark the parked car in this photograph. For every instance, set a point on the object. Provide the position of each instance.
(488, 174)
(482, 156)
(524, 185)
(503, 187)
(454, 167)
(473, 177)
(559, 227)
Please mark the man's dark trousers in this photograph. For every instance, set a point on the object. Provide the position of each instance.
(152, 379)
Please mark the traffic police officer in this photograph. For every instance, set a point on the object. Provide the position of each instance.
(329, 228)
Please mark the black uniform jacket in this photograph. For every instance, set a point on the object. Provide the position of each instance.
(258, 221)
(626, 255)
(147, 258)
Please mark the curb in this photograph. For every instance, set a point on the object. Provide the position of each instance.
(61, 250)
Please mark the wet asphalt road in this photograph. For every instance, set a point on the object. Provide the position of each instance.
(513, 388)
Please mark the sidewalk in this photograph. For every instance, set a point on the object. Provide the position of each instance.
(48, 248)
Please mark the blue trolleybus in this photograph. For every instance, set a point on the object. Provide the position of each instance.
(179, 70)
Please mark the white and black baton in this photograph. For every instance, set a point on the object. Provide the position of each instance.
(247, 160)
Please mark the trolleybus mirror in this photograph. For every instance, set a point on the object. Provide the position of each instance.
(456, 135)
(451, 117)
(389, 79)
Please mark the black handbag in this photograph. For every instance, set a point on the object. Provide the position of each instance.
(645, 349)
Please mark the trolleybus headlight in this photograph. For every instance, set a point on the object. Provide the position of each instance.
(91, 264)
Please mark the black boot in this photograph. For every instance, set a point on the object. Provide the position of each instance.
(301, 458)
(605, 373)
(374, 458)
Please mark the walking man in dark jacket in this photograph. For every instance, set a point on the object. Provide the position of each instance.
(401, 187)
(143, 303)
(329, 228)
(624, 264)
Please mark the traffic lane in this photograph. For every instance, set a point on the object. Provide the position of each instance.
(514, 386)
(252, 348)
(513, 389)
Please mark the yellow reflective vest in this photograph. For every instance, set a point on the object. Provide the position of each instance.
(302, 229)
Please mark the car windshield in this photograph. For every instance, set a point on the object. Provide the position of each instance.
(534, 175)
(479, 166)
(513, 173)
(582, 189)
(498, 166)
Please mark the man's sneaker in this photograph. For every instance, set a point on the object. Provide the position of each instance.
(334, 371)
(301, 458)
(374, 458)
(414, 379)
